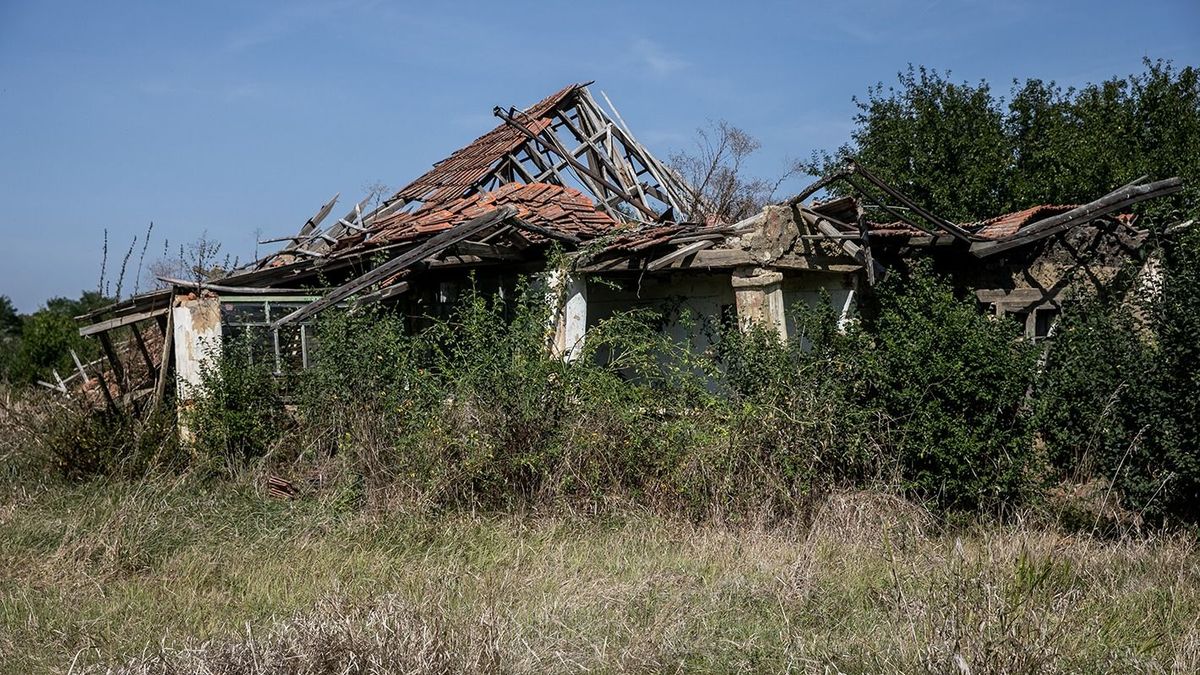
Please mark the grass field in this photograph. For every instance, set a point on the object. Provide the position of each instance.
(180, 576)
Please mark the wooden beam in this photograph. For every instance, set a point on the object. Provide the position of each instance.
(84, 377)
(679, 254)
(815, 187)
(1113, 201)
(141, 345)
(383, 294)
(546, 232)
(485, 250)
(723, 258)
(240, 290)
(1016, 295)
(105, 326)
(312, 223)
(941, 223)
(164, 361)
(551, 141)
(432, 246)
(118, 369)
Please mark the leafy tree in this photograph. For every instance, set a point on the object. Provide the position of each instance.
(968, 154)
(10, 337)
(46, 338)
(1167, 411)
(10, 320)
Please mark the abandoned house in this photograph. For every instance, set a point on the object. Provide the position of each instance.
(567, 174)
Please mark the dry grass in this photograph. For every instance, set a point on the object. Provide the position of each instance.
(158, 577)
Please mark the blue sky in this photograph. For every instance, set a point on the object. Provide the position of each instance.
(237, 117)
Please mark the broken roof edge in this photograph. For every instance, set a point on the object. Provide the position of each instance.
(991, 235)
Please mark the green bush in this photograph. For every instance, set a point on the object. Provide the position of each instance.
(1115, 398)
(472, 411)
(239, 410)
(951, 385)
(1169, 408)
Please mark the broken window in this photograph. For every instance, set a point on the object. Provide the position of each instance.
(289, 349)
(1043, 322)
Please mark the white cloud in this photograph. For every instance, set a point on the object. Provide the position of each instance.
(658, 61)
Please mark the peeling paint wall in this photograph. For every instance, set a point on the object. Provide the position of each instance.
(197, 336)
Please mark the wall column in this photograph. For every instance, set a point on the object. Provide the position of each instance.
(759, 296)
(197, 335)
(568, 314)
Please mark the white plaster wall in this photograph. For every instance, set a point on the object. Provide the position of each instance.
(197, 332)
(700, 296)
(806, 289)
(568, 298)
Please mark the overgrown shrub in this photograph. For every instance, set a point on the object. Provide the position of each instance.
(238, 410)
(1116, 398)
(1169, 409)
(951, 385)
(1094, 366)
(42, 430)
(926, 393)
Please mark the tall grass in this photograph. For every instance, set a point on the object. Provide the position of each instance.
(180, 577)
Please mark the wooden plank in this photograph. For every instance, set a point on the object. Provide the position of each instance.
(545, 231)
(941, 223)
(138, 303)
(1114, 201)
(1017, 295)
(728, 258)
(164, 361)
(313, 222)
(432, 246)
(141, 345)
(239, 290)
(56, 387)
(887, 209)
(678, 254)
(824, 225)
(815, 187)
(675, 193)
(103, 385)
(485, 250)
(105, 326)
(118, 369)
(551, 141)
(714, 237)
(383, 294)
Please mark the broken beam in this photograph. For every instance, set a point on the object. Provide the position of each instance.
(433, 246)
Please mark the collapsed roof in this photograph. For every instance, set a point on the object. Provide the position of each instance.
(567, 172)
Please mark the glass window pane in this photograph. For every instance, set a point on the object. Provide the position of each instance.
(282, 309)
(244, 313)
(291, 350)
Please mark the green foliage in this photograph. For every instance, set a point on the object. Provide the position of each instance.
(967, 154)
(240, 413)
(10, 320)
(1096, 362)
(473, 411)
(31, 346)
(1170, 409)
(1114, 399)
(953, 383)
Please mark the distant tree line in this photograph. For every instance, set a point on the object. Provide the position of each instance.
(32, 345)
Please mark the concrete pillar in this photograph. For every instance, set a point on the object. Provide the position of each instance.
(197, 338)
(567, 296)
(759, 296)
